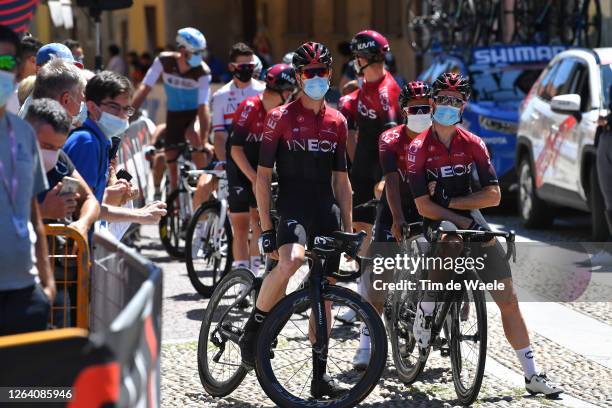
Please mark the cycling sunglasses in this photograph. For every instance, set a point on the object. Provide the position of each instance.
(449, 100)
(8, 62)
(313, 72)
(417, 109)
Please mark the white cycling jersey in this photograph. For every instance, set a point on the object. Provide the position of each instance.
(226, 100)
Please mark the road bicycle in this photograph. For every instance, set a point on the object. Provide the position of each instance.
(459, 327)
(284, 352)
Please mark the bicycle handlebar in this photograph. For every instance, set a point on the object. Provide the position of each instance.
(467, 235)
(339, 242)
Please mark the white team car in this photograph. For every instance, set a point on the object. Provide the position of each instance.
(557, 138)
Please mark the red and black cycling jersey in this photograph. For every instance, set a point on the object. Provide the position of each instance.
(429, 160)
(347, 105)
(393, 153)
(305, 146)
(247, 127)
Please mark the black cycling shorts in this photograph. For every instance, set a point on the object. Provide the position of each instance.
(177, 124)
(363, 191)
(384, 220)
(241, 197)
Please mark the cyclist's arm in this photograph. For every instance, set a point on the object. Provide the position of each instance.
(489, 196)
(220, 137)
(393, 197)
(147, 83)
(347, 106)
(267, 157)
(242, 162)
(218, 126)
(203, 111)
(340, 181)
(240, 131)
(388, 162)
(351, 144)
(263, 193)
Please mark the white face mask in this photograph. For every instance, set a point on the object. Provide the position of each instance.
(81, 116)
(419, 123)
(49, 158)
(112, 126)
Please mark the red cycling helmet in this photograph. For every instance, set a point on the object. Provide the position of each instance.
(281, 77)
(414, 90)
(450, 81)
(370, 45)
(311, 53)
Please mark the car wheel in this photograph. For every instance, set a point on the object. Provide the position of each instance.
(534, 213)
(599, 229)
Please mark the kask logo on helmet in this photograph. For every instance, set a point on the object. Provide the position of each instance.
(361, 46)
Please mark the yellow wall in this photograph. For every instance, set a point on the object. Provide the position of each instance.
(137, 36)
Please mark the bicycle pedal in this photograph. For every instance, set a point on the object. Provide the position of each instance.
(444, 351)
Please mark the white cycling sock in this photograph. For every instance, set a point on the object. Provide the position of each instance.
(364, 337)
(255, 265)
(427, 307)
(240, 264)
(527, 360)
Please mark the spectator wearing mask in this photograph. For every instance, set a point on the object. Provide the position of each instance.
(108, 97)
(27, 68)
(26, 288)
(116, 62)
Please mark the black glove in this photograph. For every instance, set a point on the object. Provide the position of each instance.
(267, 242)
(440, 196)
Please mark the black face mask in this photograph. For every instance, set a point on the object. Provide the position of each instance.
(243, 74)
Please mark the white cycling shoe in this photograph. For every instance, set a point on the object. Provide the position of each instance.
(540, 384)
(361, 360)
(197, 242)
(348, 317)
(421, 329)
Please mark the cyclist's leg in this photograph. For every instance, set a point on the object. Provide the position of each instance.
(176, 123)
(206, 185)
(363, 218)
(253, 247)
(239, 215)
(192, 134)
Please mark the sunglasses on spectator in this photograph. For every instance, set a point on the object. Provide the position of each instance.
(127, 110)
(8, 62)
(243, 65)
(417, 109)
(449, 100)
(313, 72)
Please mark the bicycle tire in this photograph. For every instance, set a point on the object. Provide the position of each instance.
(420, 41)
(170, 226)
(523, 22)
(241, 276)
(276, 320)
(467, 395)
(206, 289)
(592, 40)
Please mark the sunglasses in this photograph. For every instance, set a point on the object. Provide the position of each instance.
(417, 109)
(313, 72)
(449, 100)
(8, 62)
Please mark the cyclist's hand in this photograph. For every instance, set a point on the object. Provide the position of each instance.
(396, 229)
(151, 213)
(56, 206)
(431, 186)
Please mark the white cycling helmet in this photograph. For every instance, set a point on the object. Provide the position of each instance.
(258, 67)
(288, 58)
(190, 38)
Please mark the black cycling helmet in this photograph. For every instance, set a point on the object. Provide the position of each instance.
(414, 90)
(281, 77)
(311, 53)
(370, 45)
(450, 81)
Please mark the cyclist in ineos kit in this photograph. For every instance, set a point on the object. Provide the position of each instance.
(396, 208)
(186, 80)
(306, 139)
(242, 172)
(439, 169)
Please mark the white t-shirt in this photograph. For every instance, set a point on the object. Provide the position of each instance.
(226, 100)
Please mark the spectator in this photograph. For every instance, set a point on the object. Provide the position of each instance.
(116, 62)
(108, 97)
(263, 48)
(25, 88)
(26, 289)
(77, 51)
(27, 67)
(136, 71)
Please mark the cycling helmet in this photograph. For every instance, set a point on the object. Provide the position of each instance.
(281, 77)
(450, 81)
(311, 53)
(190, 38)
(414, 90)
(370, 45)
(288, 58)
(258, 67)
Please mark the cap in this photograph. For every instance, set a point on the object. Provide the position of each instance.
(55, 50)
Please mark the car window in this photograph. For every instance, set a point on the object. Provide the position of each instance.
(606, 83)
(563, 79)
(580, 85)
(502, 84)
(546, 83)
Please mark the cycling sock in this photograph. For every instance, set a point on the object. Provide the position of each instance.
(255, 265)
(240, 264)
(427, 307)
(255, 320)
(361, 287)
(525, 356)
(364, 337)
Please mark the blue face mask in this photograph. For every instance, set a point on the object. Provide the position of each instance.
(7, 86)
(195, 60)
(447, 115)
(112, 125)
(316, 87)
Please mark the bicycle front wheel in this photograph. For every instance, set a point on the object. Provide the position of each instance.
(219, 357)
(284, 352)
(172, 227)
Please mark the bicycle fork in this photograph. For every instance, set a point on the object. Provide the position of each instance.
(319, 348)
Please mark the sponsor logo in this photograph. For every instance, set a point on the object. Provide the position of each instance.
(254, 137)
(450, 171)
(238, 189)
(518, 54)
(384, 98)
(312, 145)
(390, 136)
(362, 46)
(364, 111)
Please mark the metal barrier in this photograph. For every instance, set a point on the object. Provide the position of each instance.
(69, 259)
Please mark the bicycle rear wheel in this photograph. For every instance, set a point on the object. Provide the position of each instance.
(468, 344)
(208, 254)
(284, 352)
(172, 227)
(219, 358)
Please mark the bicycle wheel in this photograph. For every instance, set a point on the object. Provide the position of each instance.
(172, 227)
(464, 23)
(524, 22)
(284, 351)
(219, 358)
(417, 26)
(399, 314)
(590, 24)
(468, 344)
(208, 256)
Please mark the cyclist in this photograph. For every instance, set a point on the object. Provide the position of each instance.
(241, 171)
(224, 103)
(186, 80)
(396, 207)
(439, 169)
(376, 109)
(307, 140)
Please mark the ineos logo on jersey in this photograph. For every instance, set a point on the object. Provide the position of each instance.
(254, 137)
(390, 136)
(364, 111)
(312, 145)
(450, 171)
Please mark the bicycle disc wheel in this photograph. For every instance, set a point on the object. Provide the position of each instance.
(208, 254)
(284, 352)
(171, 228)
(219, 358)
(468, 344)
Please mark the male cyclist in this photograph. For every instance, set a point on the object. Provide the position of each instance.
(396, 208)
(373, 108)
(306, 139)
(242, 170)
(439, 169)
(186, 80)
(225, 100)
